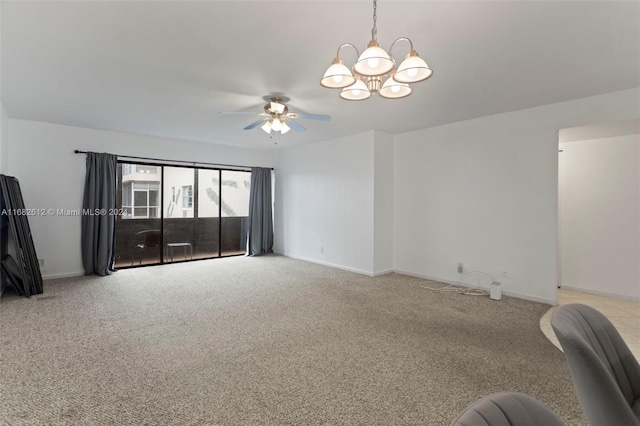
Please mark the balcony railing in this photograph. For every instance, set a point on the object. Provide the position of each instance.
(197, 238)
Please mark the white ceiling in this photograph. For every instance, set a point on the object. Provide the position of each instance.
(168, 68)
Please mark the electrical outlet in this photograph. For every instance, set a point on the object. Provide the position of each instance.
(504, 277)
(41, 262)
(460, 267)
(321, 249)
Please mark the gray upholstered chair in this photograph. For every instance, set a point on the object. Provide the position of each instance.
(604, 371)
(507, 409)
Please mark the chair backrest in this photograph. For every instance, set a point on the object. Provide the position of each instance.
(152, 237)
(605, 372)
(507, 409)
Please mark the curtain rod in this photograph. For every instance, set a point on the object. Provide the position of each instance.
(77, 151)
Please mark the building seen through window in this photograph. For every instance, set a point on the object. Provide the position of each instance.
(140, 191)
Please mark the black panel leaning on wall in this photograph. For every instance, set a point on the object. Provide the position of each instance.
(4, 233)
(18, 258)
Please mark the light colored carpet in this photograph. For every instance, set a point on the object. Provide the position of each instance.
(266, 341)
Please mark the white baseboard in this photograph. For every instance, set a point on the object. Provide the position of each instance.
(63, 275)
(426, 277)
(332, 265)
(530, 297)
(505, 292)
(600, 293)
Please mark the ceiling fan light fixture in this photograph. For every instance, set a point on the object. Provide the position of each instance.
(277, 107)
(413, 69)
(337, 76)
(393, 89)
(283, 122)
(276, 125)
(358, 91)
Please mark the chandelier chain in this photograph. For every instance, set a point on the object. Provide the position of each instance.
(374, 30)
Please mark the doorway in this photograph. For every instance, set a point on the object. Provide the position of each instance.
(599, 209)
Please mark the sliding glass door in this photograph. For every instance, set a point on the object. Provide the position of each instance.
(208, 223)
(234, 203)
(178, 213)
(138, 229)
(203, 215)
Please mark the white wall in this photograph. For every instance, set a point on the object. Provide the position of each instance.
(4, 139)
(324, 203)
(383, 204)
(52, 176)
(4, 128)
(484, 192)
(4, 142)
(4, 145)
(599, 211)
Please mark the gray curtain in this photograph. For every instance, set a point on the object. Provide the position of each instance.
(98, 224)
(260, 229)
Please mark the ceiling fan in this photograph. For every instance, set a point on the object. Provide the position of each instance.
(277, 118)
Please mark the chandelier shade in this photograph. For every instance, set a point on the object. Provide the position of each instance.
(337, 76)
(374, 61)
(393, 89)
(358, 91)
(373, 67)
(413, 69)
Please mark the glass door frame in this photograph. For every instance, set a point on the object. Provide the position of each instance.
(196, 202)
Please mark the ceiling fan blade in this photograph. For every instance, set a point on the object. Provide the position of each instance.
(255, 124)
(296, 126)
(319, 117)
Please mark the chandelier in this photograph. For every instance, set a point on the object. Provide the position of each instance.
(373, 67)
